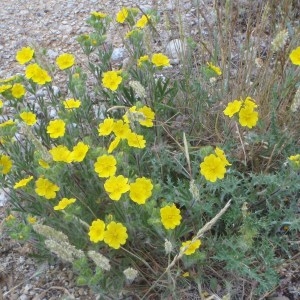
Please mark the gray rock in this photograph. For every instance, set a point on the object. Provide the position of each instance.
(56, 90)
(52, 54)
(118, 54)
(176, 48)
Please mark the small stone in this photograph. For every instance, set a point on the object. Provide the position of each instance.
(27, 288)
(14, 297)
(145, 8)
(41, 93)
(56, 90)
(81, 291)
(52, 54)
(118, 54)
(176, 49)
(23, 297)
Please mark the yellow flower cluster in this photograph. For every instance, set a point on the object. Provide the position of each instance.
(248, 116)
(115, 186)
(122, 130)
(213, 166)
(61, 153)
(37, 74)
(114, 235)
(295, 160)
(144, 115)
(158, 59)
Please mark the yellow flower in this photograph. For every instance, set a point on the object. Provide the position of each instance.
(99, 15)
(248, 117)
(132, 115)
(115, 186)
(56, 128)
(5, 164)
(10, 218)
(79, 152)
(7, 79)
(142, 22)
(122, 15)
(212, 168)
(131, 33)
(216, 69)
(249, 103)
(149, 116)
(61, 154)
(5, 87)
(191, 246)
(136, 140)
(113, 145)
(43, 164)
(232, 108)
(63, 203)
(31, 220)
(160, 60)
(115, 235)
(71, 103)
(23, 182)
(37, 74)
(65, 61)
(31, 70)
(28, 117)
(105, 166)
(220, 153)
(46, 188)
(295, 160)
(295, 56)
(18, 90)
(142, 59)
(111, 80)
(7, 123)
(121, 129)
(1, 103)
(96, 231)
(24, 55)
(170, 216)
(106, 127)
(140, 190)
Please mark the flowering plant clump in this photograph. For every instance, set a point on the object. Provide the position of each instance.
(132, 175)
